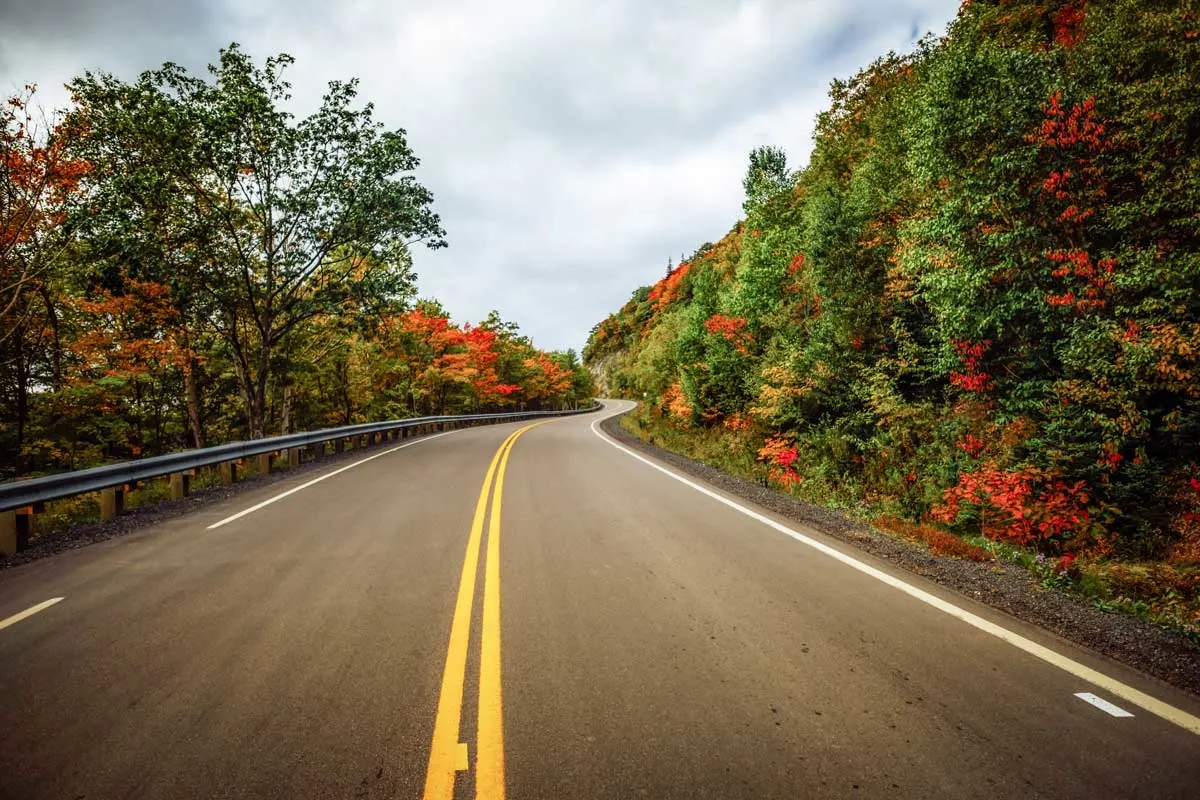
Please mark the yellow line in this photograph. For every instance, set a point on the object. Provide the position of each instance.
(447, 755)
(489, 748)
(444, 752)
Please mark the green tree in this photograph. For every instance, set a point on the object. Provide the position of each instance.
(305, 214)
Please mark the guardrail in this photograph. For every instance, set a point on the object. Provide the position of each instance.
(20, 500)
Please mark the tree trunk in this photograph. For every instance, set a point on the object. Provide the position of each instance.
(256, 409)
(254, 395)
(343, 373)
(56, 347)
(21, 460)
(285, 416)
(195, 420)
(258, 400)
(253, 383)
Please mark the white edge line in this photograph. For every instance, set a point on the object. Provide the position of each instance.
(1152, 704)
(318, 479)
(29, 612)
(1103, 705)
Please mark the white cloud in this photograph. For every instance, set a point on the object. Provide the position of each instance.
(571, 147)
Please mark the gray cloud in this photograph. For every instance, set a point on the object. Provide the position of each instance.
(571, 147)
(51, 36)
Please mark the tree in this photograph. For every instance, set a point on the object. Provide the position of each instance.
(143, 211)
(978, 299)
(306, 214)
(38, 176)
(767, 175)
(182, 261)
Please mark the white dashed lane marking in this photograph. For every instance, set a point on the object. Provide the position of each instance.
(1102, 704)
(29, 612)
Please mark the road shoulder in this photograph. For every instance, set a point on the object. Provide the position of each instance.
(1161, 654)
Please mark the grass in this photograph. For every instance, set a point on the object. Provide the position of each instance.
(1167, 595)
(728, 451)
(940, 542)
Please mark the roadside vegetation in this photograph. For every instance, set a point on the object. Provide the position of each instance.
(183, 262)
(974, 312)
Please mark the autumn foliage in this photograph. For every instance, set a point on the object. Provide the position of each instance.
(977, 307)
(123, 334)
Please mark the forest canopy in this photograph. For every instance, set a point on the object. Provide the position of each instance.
(183, 261)
(979, 302)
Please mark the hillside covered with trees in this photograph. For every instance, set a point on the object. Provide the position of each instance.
(977, 306)
(184, 262)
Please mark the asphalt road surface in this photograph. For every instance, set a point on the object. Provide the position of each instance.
(611, 631)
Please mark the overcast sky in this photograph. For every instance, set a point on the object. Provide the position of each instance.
(572, 147)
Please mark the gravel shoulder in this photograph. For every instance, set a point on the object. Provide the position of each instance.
(1162, 654)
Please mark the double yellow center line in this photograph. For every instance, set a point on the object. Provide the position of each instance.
(448, 755)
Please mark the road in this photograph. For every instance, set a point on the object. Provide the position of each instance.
(609, 632)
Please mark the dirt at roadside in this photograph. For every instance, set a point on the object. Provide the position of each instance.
(1162, 654)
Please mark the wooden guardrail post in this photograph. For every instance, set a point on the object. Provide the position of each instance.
(264, 463)
(8, 533)
(10, 542)
(112, 502)
(228, 472)
(294, 457)
(180, 484)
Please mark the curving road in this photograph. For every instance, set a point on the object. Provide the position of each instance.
(611, 631)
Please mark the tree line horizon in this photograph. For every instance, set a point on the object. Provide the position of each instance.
(183, 261)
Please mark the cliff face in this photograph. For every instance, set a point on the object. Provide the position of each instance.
(599, 368)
